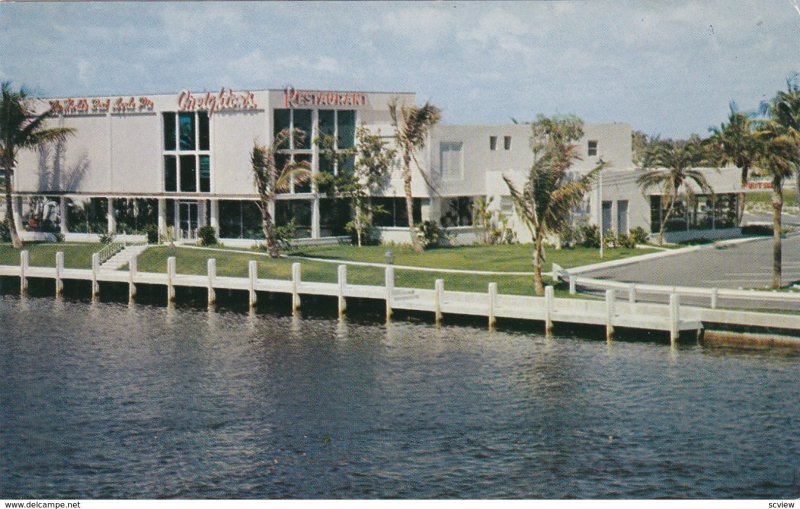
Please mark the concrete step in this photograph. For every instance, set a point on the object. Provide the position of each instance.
(122, 258)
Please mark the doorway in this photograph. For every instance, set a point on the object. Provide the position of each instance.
(187, 220)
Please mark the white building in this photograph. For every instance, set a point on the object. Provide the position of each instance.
(182, 161)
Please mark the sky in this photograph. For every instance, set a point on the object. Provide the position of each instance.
(667, 68)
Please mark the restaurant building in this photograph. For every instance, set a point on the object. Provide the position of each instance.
(182, 161)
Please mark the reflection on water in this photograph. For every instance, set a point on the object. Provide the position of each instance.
(111, 401)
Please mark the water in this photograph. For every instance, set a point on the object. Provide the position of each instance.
(107, 401)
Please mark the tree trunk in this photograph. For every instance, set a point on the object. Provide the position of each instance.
(12, 226)
(415, 242)
(663, 222)
(777, 208)
(538, 258)
(269, 230)
(359, 227)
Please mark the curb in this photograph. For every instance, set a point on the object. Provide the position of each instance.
(661, 254)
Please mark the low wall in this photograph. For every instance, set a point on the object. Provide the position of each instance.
(720, 234)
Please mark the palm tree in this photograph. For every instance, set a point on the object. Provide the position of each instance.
(735, 143)
(785, 110)
(21, 128)
(549, 193)
(779, 158)
(270, 180)
(412, 125)
(669, 165)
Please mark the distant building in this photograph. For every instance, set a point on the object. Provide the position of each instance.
(181, 161)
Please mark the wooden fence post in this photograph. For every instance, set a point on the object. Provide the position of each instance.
(252, 274)
(23, 269)
(59, 273)
(548, 309)
(437, 299)
(713, 298)
(492, 304)
(171, 279)
(389, 280)
(295, 287)
(211, 265)
(632, 293)
(674, 317)
(341, 274)
(610, 314)
(132, 270)
(95, 270)
(572, 284)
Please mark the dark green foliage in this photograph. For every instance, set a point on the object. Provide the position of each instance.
(638, 235)
(207, 235)
(430, 234)
(757, 229)
(591, 236)
(286, 233)
(107, 238)
(5, 234)
(152, 234)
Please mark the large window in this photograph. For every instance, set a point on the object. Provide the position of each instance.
(451, 160)
(457, 211)
(187, 158)
(395, 211)
(332, 131)
(704, 212)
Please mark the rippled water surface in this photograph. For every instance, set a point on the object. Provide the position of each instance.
(109, 401)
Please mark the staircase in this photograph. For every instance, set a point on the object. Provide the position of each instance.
(122, 258)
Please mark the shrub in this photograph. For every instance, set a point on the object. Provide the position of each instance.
(757, 229)
(107, 238)
(5, 233)
(285, 234)
(152, 233)
(206, 236)
(430, 234)
(591, 236)
(58, 236)
(639, 235)
(626, 241)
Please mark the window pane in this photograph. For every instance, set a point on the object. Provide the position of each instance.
(170, 174)
(169, 131)
(302, 121)
(346, 166)
(507, 142)
(202, 118)
(492, 142)
(280, 163)
(280, 122)
(327, 123)
(346, 120)
(592, 148)
(326, 162)
(230, 219)
(205, 174)
(305, 187)
(188, 174)
(187, 130)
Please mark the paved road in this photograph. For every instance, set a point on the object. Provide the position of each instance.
(746, 265)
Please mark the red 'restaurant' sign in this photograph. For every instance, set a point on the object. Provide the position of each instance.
(297, 98)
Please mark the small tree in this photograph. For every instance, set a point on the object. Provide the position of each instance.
(669, 165)
(550, 194)
(21, 128)
(412, 125)
(270, 179)
(372, 162)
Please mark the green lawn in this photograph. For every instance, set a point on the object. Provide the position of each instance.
(501, 258)
(765, 198)
(497, 258)
(76, 256)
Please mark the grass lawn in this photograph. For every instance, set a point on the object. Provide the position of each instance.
(498, 258)
(501, 258)
(76, 256)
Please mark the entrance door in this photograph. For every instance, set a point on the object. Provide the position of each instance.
(187, 219)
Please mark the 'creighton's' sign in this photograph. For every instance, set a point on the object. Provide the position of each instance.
(298, 98)
(230, 101)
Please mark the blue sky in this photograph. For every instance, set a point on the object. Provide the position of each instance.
(666, 68)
